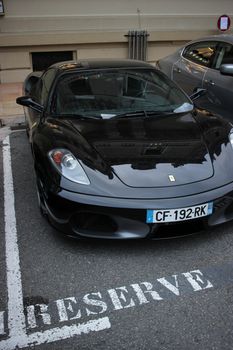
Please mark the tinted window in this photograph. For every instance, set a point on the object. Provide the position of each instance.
(224, 55)
(47, 80)
(202, 53)
(107, 93)
(29, 84)
(36, 91)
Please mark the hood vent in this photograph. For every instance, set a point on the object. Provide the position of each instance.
(154, 150)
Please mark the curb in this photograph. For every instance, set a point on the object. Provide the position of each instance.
(12, 120)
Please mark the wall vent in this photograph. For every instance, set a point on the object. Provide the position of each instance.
(137, 44)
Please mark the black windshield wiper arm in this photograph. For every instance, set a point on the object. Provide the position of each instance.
(79, 116)
(142, 113)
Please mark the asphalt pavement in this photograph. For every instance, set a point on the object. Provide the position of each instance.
(96, 294)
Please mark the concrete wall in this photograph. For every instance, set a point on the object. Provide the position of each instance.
(97, 28)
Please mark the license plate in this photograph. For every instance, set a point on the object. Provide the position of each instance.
(181, 214)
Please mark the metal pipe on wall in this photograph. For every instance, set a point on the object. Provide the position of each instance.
(137, 44)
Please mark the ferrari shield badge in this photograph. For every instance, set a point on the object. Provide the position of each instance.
(171, 178)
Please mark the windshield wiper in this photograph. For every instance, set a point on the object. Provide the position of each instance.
(79, 116)
(142, 113)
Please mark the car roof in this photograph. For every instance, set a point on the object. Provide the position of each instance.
(100, 64)
(218, 37)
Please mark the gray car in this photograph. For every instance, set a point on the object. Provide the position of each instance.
(207, 64)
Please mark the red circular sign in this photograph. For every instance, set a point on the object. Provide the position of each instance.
(224, 23)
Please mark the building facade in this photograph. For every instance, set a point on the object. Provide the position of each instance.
(35, 32)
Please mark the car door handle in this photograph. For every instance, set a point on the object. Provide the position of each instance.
(177, 70)
(210, 82)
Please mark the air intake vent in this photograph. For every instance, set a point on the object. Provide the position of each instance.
(154, 151)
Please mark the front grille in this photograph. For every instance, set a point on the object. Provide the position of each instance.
(93, 222)
(177, 229)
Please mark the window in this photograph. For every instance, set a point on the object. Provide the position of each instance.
(1, 8)
(42, 60)
(224, 56)
(30, 84)
(47, 80)
(202, 53)
(111, 92)
(40, 90)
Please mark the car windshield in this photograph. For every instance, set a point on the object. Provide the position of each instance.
(111, 93)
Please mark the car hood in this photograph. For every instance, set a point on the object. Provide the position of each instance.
(144, 152)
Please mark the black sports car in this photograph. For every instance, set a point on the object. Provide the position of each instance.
(120, 151)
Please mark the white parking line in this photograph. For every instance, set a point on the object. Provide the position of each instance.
(55, 334)
(16, 318)
(4, 132)
(2, 331)
(18, 337)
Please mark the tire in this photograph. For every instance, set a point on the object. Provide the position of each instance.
(40, 200)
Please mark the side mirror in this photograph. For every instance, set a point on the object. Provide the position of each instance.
(226, 69)
(27, 101)
(197, 94)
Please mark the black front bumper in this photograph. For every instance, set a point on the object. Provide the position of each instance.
(80, 215)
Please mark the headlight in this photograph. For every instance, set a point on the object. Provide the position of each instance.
(68, 166)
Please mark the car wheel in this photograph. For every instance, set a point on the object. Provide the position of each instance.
(40, 199)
